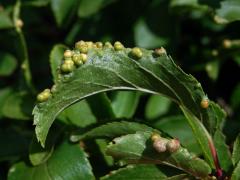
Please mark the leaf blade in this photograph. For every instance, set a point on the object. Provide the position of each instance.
(111, 130)
(8, 64)
(229, 11)
(236, 174)
(236, 151)
(201, 135)
(223, 152)
(56, 56)
(5, 21)
(125, 104)
(62, 10)
(61, 164)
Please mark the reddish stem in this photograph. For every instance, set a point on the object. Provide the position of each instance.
(219, 172)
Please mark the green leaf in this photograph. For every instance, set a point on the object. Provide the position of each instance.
(63, 10)
(223, 152)
(149, 172)
(236, 172)
(67, 162)
(88, 8)
(190, 5)
(56, 57)
(125, 104)
(8, 64)
(101, 106)
(144, 37)
(79, 114)
(236, 151)
(38, 154)
(202, 137)
(178, 127)
(18, 106)
(111, 130)
(108, 70)
(4, 94)
(229, 11)
(73, 32)
(5, 20)
(138, 148)
(102, 144)
(35, 3)
(156, 106)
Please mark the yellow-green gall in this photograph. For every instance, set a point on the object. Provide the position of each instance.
(47, 90)
(67, 66)
(99, 44)
(118, 46)
(43, 96)
(83, 49)
(89, 44)
(137, 52)
(67, 54)
(160, 51)
(83, 57)
(108, 45)
(79, 44)
(155, 136)
(173, 145)
(204, 102)
(77, 59)
(69, 61)
(227, 43)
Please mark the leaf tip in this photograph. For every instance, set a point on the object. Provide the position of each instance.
(40, 137)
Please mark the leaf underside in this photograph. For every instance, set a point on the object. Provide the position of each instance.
(108, 70)
(142, 151)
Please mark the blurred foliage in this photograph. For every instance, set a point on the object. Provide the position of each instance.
(202, 36)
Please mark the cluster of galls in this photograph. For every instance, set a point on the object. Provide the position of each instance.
(78, 56)
(162, 145)
(45, 94)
